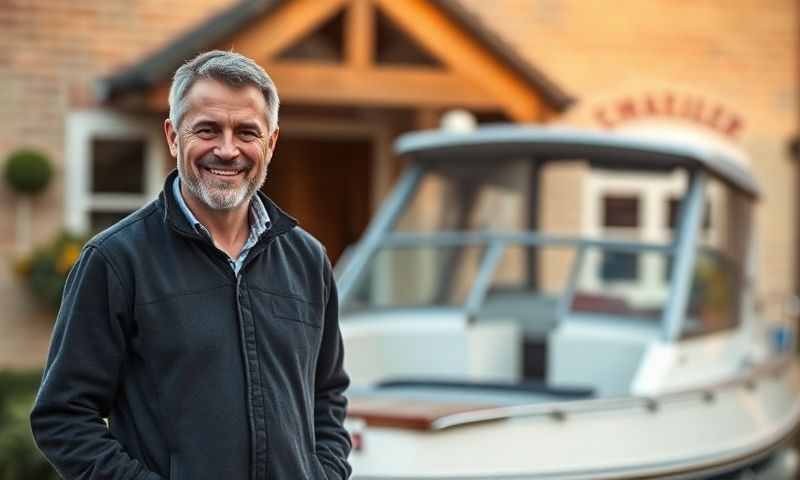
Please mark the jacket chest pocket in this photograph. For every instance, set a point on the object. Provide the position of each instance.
(296, 310)
(289, 328)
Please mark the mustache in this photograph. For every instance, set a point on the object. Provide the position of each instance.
(212, 161)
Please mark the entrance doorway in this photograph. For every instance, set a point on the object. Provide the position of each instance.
(326, 185)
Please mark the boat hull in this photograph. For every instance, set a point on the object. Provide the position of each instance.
(741, 424)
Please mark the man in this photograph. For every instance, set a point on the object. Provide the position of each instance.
(204, 326)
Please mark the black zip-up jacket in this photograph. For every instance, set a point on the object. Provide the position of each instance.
(202, 374)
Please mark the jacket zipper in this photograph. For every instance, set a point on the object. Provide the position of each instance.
(268, 237)
(248, 375)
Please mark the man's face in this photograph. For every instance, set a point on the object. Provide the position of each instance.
(223, 145)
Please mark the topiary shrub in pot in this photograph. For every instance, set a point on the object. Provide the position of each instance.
(28, 172)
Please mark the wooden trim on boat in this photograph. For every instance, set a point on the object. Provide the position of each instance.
(400, 413)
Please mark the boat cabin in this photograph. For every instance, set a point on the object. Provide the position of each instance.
(479, 281)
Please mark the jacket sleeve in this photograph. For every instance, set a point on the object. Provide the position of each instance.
(332, 440)
(82, 374)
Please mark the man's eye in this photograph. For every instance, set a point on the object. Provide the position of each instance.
(248, 134)
(204, 132)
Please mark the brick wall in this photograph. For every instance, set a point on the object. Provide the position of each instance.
(51, 53)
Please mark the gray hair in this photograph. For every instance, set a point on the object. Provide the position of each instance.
(230, 68)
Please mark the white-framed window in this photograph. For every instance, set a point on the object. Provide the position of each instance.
(635, 207)
(114, 165)
(621, 218)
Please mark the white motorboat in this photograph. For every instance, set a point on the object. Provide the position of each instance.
(490, 334)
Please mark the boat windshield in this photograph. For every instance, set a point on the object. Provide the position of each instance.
(487, 275)
(540, 237)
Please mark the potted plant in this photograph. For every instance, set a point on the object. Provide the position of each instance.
(45, 269)
(28, 173)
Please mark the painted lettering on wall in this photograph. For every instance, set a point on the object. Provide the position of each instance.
(689, 107)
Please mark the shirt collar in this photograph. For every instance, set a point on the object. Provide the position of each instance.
(258, 216)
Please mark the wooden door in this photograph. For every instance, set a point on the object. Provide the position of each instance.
(326, 185)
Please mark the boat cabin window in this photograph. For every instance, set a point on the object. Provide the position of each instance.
(640, 294)
(520, 227)
(528, 284)
(470, 198)
(628, 274)
(540, 239)
(418, 276)
(673, 209)
(718, 282)
(440, 243)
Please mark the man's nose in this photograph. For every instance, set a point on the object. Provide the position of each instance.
(226, 148)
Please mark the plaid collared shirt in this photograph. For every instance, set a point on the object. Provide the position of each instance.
(259, 223)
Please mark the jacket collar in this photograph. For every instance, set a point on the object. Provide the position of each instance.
(282, 222)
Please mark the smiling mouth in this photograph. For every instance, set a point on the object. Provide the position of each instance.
(223, 173)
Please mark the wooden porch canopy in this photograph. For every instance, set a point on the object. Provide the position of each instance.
(365, 53)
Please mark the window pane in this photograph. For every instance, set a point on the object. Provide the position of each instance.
(622, 283)
(714, 297)
(527, 286)
(718, 279)
(674, 208)
(533, 268)
(621, 211)
(418, 276)
(619, 266)
(118, 165)
(471, 197)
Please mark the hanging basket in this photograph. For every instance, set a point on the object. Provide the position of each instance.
(44, 271)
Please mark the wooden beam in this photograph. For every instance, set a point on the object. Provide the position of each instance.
(268, 36)
(386, 86)
(359, 33)
(477, 80)
(423, 22)
(305, 82)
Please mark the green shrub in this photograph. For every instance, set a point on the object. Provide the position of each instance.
(28, 171)
(19, 457)
(45, 270)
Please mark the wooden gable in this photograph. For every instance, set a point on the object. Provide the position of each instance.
(377, 53)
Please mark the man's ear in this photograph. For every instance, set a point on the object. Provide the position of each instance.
(171, 135)
(273, 138)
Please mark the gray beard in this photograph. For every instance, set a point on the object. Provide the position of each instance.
(220, 197)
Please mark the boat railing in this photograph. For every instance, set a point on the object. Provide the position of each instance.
(497, 242)
(562, 410)
(459, 238)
